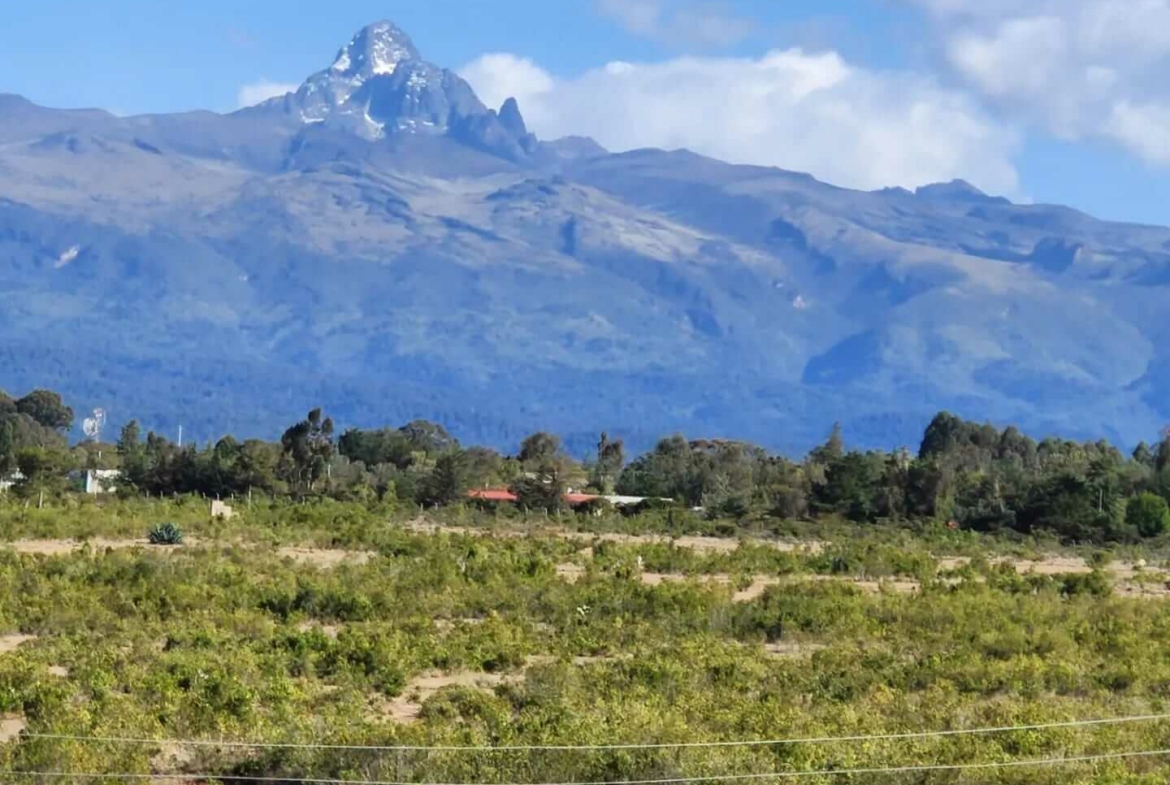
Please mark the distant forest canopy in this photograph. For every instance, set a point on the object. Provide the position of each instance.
(965, 474)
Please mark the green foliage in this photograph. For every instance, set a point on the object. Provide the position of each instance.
(611, 458)
(165, 534)
(308, 447)
(539, 450)
(966, 475)
(543, 491)
(1149, 514)
(230, 639)
(448, 482)
(47, 409)
(43, 470)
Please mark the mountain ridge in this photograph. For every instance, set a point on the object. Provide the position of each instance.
(466, 266)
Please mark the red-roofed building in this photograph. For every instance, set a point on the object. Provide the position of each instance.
(571, 498)
(489, 495)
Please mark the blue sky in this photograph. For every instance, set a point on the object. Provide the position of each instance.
(1064, 101)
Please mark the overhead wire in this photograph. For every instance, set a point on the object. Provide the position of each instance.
(779, 775)
(225, 744)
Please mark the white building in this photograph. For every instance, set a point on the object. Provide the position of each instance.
(96, 481)
(6, 483)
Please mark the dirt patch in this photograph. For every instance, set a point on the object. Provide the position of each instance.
(570, 572)
(698, 543)
(1062, 565)
(66, 547)
(14, 641)
(330, 631)
(755, 590)
(1146, 591)
(693, 542)
(407, 706)
(761, 583)
(171, 758)
(787, 650)
(10, 727)
(60, 671)
(594, 659)
(325, 559)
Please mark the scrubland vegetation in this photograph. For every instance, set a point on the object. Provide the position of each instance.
(331, 622)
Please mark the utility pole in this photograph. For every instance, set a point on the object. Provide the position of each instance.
(180, 436)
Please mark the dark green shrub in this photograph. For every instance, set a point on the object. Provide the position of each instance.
(166, 534)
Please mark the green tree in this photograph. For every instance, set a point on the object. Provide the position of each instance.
(132, 454)
(611, 458)
(539, 448)
(1144, 456)
(43, 470)
(1149, 514)
(7, 405)
(448, 482)
(1162, 458)
(428, 437)
(47, 408)
(834, 447)
(308, 447)
(7, 447)
(543, 490)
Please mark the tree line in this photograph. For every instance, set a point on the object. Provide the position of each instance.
(964, 474)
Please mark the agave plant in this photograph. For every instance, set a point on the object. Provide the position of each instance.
(166, 534)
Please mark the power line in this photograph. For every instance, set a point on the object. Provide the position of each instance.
(590, 747)
(1035, 762)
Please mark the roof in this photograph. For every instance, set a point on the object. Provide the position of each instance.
(493, 495)
(504, 495)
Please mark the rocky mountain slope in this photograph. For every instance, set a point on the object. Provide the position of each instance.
(383, 244)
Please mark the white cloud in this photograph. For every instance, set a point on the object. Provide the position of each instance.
(498, 77)
(1076, 68)
(261, 90)
(1145, 129)
(640, 17)
(703, 24)
(806, 112)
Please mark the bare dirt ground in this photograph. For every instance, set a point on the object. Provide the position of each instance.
(406, 707)
(65, 547)
(325, 559)
(14, 641)
(171, 758)
(570, 572)
(10, 727)
(697, 543)
(328, 630)
(787, 650)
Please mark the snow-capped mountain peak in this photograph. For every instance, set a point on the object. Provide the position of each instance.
(376, 50)
(379, 86)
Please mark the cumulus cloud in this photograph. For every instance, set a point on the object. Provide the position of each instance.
(801, 111)
(498, 77)
(702, 24)
(261, 90)
(1076, 68)
(640, 17)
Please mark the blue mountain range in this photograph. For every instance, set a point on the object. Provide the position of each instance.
(383, 244)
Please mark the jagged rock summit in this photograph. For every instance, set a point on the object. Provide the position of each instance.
(379, 86)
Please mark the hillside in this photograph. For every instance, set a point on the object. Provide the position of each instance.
(383, 243)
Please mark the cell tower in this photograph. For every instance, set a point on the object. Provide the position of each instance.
(92, 426)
